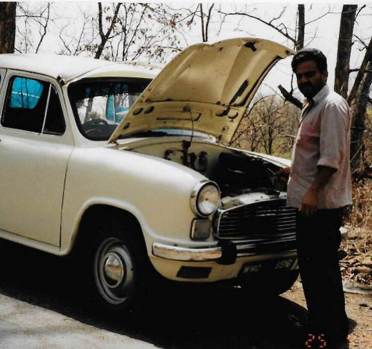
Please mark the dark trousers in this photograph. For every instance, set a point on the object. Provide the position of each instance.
(318, 240)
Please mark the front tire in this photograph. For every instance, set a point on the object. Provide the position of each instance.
(116, 264)
(114, 272)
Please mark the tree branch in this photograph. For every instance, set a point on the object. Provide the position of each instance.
(360, 10)
(320, 17)
(202, 21)
(45, 26)
(208, 20)
(289, 97)
(262, 21)
(365, 46)
(105, 37)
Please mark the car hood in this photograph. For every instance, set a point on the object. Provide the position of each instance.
(206, 88)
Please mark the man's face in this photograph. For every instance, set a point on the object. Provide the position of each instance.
(309, 78)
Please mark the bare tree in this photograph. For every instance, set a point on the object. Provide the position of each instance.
(361, 71)
(268, 126)
(196, 15)
(126, 32)
(359, 104)
(344, 49)
(7, 26)
(359, 93)
(205, 19)
(105, 36)
(32, 19)
(276, 23)
(74, 45)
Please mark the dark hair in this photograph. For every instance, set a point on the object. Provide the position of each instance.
(310, 54)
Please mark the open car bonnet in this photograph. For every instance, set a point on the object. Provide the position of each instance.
(206, 88)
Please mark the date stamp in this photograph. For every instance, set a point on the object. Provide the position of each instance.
(316, 341)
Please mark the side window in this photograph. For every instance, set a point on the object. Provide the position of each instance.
(33, 105)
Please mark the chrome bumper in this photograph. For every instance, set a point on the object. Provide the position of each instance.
(186, 253)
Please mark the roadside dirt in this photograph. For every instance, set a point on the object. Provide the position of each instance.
(359, 310)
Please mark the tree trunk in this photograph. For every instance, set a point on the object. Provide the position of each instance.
(301, 28)
(367, 58)
(344, 49)
(299, 44)
(359, 114)
(7, 26)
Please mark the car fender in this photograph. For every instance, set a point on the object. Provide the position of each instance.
(157, 192)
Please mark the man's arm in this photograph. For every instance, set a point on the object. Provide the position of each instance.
(310, 199)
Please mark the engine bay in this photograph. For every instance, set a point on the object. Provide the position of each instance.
(236, 172)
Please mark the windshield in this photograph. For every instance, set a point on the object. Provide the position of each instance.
(99, 105)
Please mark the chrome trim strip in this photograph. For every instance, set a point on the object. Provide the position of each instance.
(186, 253)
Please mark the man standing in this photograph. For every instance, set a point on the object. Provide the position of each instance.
(319, 187)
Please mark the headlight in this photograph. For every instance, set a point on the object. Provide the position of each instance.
(205, 198)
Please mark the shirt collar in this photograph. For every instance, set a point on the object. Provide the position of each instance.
(323, 93)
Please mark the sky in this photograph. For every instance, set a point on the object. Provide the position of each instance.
(324, 32)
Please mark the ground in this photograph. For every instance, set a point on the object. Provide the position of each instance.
(41, 308)
(359, 310)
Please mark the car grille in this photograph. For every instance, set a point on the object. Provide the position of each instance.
(263, 221)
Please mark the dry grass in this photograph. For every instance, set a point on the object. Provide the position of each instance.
(357, 265)
(360, 216)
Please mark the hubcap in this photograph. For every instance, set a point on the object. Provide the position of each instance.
(113, 271)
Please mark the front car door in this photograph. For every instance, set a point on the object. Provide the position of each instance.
(35, 145)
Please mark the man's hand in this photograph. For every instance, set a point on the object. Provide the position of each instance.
(284, 172)
(309, 202)
(310, 199)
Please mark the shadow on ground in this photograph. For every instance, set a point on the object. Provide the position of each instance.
(206, 318)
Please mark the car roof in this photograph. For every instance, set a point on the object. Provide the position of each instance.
(68, 68)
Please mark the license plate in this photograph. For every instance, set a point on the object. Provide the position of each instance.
(252, 268)
(285, 263)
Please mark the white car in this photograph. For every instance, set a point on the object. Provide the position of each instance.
(127, 169)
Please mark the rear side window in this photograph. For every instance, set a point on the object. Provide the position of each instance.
(25, 93)
(33, 105)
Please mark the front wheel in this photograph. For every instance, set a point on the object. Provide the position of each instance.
(114, 272)
(116, 264)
